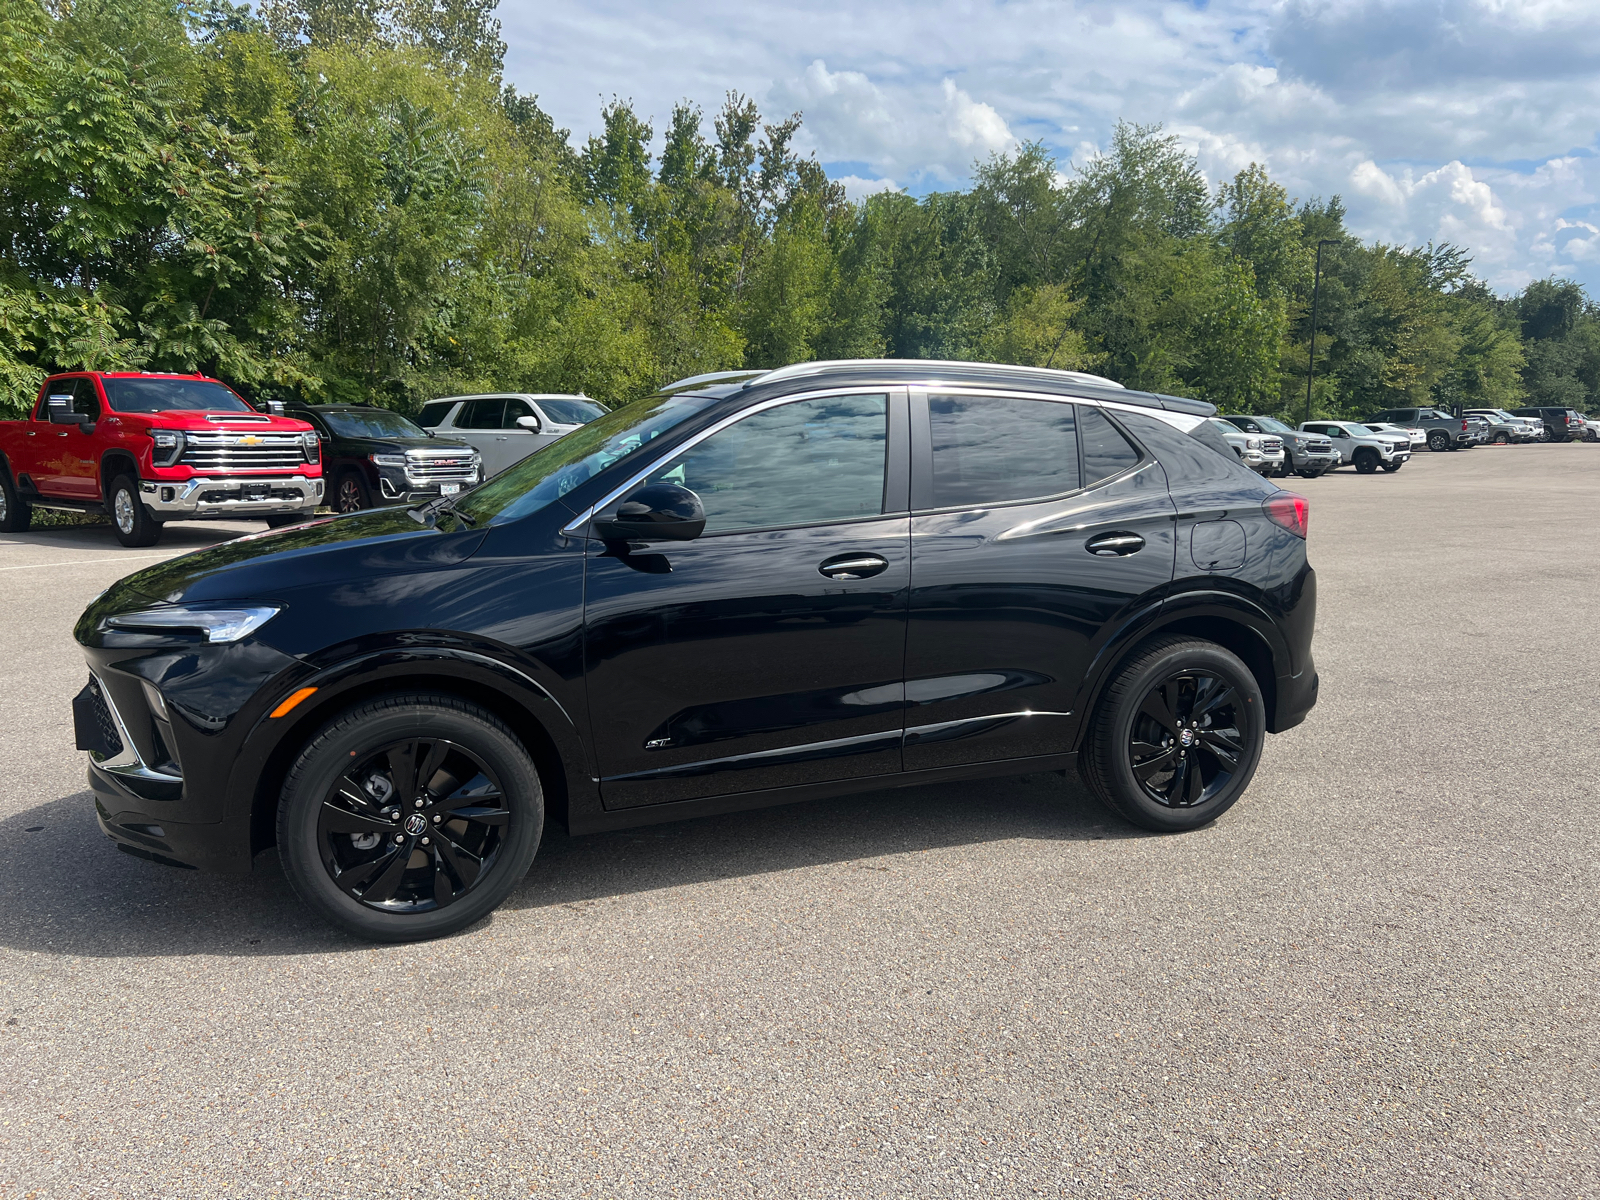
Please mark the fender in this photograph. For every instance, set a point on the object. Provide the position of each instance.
(481, 670)
(1227, 606)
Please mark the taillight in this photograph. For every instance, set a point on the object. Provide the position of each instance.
(1288, 511)
(1463, 427)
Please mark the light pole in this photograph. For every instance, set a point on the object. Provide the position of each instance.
(1316, 283)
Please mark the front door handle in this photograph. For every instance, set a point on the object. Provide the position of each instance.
(1114, 545)
(853, 566)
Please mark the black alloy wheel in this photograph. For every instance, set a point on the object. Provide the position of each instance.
(353, 495)
(1177, 736)
(1366, 460)
(1438, 440)
(410, 817)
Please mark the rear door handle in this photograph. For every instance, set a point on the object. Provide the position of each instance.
(853, 566)
(1114, 545)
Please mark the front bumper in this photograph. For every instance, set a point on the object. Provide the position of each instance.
(207, 498)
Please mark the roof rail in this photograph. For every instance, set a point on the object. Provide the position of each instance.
(817, 368)
(714, 377)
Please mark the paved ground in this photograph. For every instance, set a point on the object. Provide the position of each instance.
(1375, 977)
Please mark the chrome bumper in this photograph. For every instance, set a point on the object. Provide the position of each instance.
(199, 498)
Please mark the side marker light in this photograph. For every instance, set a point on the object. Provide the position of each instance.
(294, 698)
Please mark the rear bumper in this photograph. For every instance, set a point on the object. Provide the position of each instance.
(1297, 696)
(201, 498)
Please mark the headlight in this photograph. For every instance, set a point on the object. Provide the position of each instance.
(388, 460)
(1252, 443)
(214, 624)
(313, 446)
(169, 447)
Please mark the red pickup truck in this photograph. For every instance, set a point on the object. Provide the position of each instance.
(146, 448)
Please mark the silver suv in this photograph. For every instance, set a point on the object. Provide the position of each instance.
(1358, 445)
(1306, 454)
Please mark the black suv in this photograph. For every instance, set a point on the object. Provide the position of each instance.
(1562, 424)
(372, 456)
(749, 589)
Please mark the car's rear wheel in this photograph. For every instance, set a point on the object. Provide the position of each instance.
(353, 494)
(1438, 440)
(1367, 460)
(410, 817)
(16, 514)
(131, 521)
(1177, 736)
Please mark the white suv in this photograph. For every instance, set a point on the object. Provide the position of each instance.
(506, 427)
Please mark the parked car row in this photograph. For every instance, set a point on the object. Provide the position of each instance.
(145, 448)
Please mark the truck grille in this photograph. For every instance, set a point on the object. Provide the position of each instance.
(440, 468)
(1319, 447)
(1272, 445)
(232, 452)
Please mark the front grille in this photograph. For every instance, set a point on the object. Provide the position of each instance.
(234, 452)
(1272, 444)
(435, 468)
(1319, 447)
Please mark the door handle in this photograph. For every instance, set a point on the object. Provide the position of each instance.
(502, 438)
(1114, 545)
(853, 566)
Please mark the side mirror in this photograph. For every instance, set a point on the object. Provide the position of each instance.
(61, 412)
(656, 512)
(528, 423)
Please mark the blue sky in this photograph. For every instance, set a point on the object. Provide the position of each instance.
(1474, 121)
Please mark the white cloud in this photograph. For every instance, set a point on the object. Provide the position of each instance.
(858, 188)
(1474, 121)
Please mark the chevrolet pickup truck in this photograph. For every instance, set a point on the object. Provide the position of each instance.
(147, 448)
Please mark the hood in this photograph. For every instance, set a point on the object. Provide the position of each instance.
(201, 422)
(383, 541)
(381, 445)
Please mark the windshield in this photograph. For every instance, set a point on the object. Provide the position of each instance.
(1273, 425)
(548, 474)
(1357, 430)
(1225, 427)
(571, 412)
(164, 395)
(378, 423)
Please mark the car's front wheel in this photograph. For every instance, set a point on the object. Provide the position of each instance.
(353, 494)
(1177, 736)
(1367, 460)
(1394, 465)
(410, 817)
(133, 523)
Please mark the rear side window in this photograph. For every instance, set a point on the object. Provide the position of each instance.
(991, 450)
(1105, 451)
(480, 414)
(432, 414)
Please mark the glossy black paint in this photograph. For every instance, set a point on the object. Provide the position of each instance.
(661, 679)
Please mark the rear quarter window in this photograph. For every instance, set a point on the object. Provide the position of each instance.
(1199, 456)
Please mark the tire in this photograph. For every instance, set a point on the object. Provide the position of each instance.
(284, 520)
(1309, 474)
(351, 494)
(131, 521)
(1367, 460)
(16, 514)
(329, 807)
(1153, 679)
(1392, 467)
(1438, 440)
(1502, 438)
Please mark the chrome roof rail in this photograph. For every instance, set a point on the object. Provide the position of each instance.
(842, 364)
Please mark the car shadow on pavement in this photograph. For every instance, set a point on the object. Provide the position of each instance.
(65, 888)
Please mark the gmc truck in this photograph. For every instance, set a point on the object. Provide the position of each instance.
(146, 448)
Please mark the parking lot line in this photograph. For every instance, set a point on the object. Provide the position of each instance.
(73, 562)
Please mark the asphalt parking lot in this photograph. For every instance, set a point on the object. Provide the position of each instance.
(1376, 976)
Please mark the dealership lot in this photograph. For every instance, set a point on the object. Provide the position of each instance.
(1376, 976)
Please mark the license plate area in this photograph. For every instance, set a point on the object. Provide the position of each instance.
(255, 491)
(449, 489)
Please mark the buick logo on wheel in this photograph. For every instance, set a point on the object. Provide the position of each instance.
(1187, 737)
(416, 823)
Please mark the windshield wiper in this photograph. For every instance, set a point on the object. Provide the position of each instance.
(422, 513)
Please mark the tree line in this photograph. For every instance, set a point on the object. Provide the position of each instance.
(341, 200)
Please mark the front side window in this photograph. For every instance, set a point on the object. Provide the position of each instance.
(993, 450)
(806, 463)
(172, 395)
(515, 409)
(571, 412)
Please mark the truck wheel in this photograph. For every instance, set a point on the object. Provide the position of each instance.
(284, 520)
(352, 495)
(410, 817)
(1502, 438)
(1366, 460)
(1308, 474)
(16, 514)
(132, 522)
(1177, 736)
(1438, 440)
(1392, 467)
